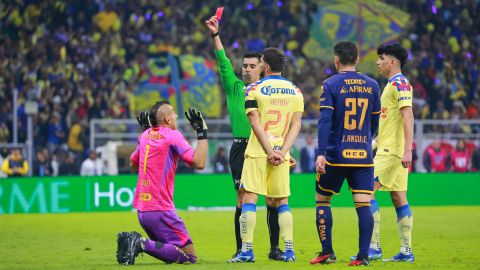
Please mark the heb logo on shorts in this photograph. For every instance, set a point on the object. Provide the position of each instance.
(269, 90)
(354, 153)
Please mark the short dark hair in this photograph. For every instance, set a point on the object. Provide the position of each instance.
(257, 55)
(152, 113)
(395, 50)
(347, 52)
(275, 58)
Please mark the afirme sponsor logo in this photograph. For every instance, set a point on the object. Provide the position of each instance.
(269, 90)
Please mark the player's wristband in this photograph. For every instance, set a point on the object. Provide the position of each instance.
(202, 135)
(213, 35)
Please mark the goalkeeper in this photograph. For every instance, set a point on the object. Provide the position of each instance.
(155, 159)
(241, 129)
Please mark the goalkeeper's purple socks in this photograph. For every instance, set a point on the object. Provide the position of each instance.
(168, 253)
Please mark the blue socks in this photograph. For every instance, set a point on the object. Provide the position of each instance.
(365, 228)
(324, 223)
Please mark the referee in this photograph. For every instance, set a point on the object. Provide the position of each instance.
(235, 94)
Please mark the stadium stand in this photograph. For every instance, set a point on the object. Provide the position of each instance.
(80, 60)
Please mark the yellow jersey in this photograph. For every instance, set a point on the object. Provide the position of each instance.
(396, 95)
(276, 99)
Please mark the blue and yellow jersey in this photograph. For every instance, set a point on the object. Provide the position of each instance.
(276, 99)
(353, 97)
(396, 95)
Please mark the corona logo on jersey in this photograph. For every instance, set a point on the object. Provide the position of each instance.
(269, 90)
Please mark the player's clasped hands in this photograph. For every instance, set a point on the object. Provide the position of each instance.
(275, 158)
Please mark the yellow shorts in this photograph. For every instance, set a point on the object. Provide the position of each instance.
(390, 173)
(260, 177)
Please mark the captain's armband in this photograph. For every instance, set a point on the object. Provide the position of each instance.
(250, 104)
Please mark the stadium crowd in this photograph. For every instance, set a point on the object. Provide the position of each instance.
(80, 60)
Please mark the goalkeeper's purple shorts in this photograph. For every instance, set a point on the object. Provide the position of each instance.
(165, 226)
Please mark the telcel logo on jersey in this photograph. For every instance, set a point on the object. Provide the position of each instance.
(269, 90)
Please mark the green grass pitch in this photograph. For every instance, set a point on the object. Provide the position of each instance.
(443, 238)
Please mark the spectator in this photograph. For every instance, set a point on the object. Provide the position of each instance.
(4, 133)
(436, 158)
(15, 165)
(220, 162)
(68, 167)
(86, 60)
(76, 137)
(91, 166)
(55, 164)
(308, 155)
(41, 165)
(107, 19)
(460, 158)
(3, 156)
(476, 160)
(56, 133)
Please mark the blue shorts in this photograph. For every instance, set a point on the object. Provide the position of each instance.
(360, 180)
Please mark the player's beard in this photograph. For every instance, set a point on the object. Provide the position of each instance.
(262, 72)
(247, 78)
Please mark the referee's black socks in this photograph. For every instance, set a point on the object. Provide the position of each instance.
(273, 226)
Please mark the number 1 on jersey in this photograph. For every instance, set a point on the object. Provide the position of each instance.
(147, 149)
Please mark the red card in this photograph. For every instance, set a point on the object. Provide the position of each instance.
(218, 13)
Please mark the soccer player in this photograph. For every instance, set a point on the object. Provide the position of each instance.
(235, 94)
(274, 106)
(159, 147)
(349, 112)
(394, 151)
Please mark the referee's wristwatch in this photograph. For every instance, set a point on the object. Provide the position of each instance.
(213, 35)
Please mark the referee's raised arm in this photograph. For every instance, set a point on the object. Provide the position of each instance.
(212, 25)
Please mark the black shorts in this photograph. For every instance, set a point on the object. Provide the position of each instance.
(237, 158)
